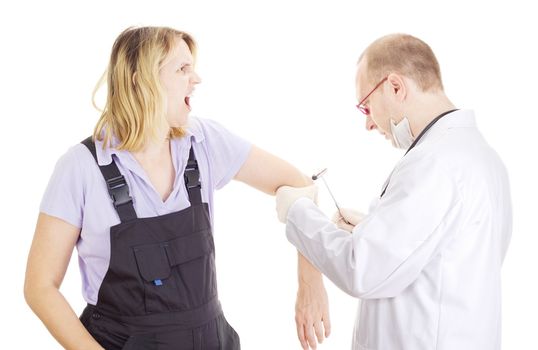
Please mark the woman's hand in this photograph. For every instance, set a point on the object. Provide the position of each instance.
(52, 246)
(267, 173)
(311, 307)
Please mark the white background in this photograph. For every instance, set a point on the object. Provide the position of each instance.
(280, 74)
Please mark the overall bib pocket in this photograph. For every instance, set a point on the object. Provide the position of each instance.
(177, 275)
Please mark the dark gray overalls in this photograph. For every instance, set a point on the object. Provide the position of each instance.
(160, 290)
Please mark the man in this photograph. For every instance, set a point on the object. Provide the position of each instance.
(426, 260)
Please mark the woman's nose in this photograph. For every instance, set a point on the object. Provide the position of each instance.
(195, 79)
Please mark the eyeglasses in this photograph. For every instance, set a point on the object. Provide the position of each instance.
(365, 110)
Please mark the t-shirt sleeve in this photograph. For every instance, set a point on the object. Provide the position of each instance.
(64, 195)
(227, 152)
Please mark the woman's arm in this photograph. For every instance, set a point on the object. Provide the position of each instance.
(51, 250)
(267, 173)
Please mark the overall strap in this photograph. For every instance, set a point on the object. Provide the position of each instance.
(192, 179)
(116, 185)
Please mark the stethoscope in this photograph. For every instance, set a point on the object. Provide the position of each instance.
(321, 173)
(435, 120)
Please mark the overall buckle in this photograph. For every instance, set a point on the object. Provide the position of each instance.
(118, 190)
(192, 178)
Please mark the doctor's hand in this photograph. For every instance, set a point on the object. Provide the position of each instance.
(353, 218)
(287, 195)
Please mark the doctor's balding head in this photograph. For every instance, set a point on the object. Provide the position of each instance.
(398, 78)
(403, 54)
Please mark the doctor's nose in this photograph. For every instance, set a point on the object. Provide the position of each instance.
(370, 125)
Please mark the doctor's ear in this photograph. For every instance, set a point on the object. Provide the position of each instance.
(397, 86)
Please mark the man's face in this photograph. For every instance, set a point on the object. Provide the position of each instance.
(378, 117)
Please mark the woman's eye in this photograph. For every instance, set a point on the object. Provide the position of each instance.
(186, 68)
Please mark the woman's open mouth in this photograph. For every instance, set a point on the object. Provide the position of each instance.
(187, 101)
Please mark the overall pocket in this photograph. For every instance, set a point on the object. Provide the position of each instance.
(179, 274)
(103, 333)
(228, 337)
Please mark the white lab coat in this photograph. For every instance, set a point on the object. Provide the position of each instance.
(426, 261)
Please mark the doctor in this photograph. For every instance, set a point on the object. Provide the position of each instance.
(426, 260)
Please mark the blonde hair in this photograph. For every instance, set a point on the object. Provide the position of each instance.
(406, 55)
(135, 111)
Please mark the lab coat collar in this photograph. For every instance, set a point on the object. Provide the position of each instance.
(458, 119)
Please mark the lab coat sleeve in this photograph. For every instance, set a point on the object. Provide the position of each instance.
(386, 252)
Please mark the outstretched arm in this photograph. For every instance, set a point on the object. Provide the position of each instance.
(267, 173)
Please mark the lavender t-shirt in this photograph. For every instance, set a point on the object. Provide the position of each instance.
(77, 192)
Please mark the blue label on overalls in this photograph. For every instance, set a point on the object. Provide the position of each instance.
(158, 282)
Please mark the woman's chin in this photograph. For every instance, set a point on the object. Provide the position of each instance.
(179, 121)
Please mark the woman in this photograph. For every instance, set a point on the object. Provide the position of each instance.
(136, 200)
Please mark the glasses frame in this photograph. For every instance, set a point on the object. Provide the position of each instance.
(360, 106)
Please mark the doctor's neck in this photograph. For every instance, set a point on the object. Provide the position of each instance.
(425, 108)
